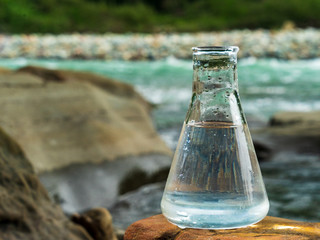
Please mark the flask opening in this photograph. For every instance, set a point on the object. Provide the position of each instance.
(234, 49)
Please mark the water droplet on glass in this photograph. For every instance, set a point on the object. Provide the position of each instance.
(209, 77)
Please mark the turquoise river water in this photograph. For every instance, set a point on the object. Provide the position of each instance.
(266, 86)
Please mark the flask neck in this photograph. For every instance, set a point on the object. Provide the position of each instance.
(215, 95)
(214, 68)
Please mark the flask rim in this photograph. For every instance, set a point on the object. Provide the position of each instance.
(215, 49)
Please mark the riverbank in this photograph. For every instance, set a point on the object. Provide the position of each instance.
(282, 44)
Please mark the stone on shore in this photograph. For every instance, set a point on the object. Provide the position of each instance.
(296, 123)
(61, 118)
(270, 228)
(26, 211)
(135, 205)
(98, 222)
(289, 43)
(288, 133)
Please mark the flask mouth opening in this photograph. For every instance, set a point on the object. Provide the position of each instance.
(223, 50)
(216, 48)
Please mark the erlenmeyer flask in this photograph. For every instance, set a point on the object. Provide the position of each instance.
(215, 180)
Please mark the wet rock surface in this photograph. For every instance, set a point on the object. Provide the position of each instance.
(84, 186)
(133, 206)
(63, 117)
(26, 211)
(157, 227)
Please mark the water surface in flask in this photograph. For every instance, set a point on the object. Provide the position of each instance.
(215, 180)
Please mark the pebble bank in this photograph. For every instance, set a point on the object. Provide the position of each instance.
(282, 44)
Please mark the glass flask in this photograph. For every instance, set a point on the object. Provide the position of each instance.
(215, 180)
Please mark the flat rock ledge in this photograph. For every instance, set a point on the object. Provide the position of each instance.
(270, 228)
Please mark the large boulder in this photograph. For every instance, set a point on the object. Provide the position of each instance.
(305, 124)
(295, 132)
(26, 211)
(63, 117)
(288, 133)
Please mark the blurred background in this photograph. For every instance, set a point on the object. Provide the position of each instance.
(95, 92)
(100, 16)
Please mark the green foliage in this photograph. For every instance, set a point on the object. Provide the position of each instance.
(53, 16)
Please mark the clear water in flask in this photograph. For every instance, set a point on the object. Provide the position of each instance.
(215, 180)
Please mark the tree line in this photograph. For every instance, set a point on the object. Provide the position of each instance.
(119, 16)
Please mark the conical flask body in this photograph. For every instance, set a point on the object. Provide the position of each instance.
(215, 180)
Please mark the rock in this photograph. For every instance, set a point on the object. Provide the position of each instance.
(296, 123)
(26, 211)
(83, 186)
(4, 70)
(98, 223)
(61, 118)
(139, 177)
(141, 203)
(120, 233)
(157, 227)
(107, 84)
(262, 150)
(45, 74)
(292, 132)
(288, 133)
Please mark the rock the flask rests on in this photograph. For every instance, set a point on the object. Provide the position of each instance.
(215, 180)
